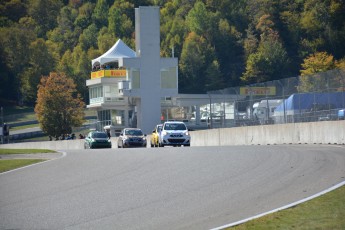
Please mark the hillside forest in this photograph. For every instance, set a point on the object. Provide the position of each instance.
(219, 43)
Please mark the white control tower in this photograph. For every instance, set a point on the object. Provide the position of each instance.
(151, 78)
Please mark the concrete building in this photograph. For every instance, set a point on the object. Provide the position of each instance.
(137, 88)
(127, 87)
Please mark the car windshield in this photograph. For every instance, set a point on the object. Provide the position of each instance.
(99, 135)
(134, 132)
(159, 128)
(175, 126)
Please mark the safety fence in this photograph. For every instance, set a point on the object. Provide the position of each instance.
(317, 97)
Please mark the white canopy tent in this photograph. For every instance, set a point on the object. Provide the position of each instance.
(118, 51)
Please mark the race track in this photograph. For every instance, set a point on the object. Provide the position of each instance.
(165, 188)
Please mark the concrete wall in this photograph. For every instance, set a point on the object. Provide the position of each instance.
(55, 145)
(325, 132)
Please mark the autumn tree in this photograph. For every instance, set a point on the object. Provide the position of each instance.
(313, 77)
(58, 107)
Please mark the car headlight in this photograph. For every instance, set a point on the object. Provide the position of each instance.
(187, 133)
(164, 133)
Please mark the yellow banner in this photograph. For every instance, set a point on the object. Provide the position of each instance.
(109, 73)
(255, 91)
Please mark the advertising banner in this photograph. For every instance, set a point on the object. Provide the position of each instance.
(255, 91)
(109, 73)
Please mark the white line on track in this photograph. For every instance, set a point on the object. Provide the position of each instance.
(284, 207)
(63, 155)
(281, 208)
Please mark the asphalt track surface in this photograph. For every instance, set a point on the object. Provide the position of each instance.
(165, 188)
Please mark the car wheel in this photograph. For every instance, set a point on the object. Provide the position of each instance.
(152, 146)
(187, 145)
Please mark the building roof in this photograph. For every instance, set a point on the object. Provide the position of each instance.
(118, 51)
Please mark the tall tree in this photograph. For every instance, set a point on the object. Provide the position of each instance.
(58, 107)
(41, 63)
(12, 10)
(201, 21)
(66, 34)
(15, 44)
(100, 14)
(83, 19)
(270, 61)
(44, 12)
(199, 66)
(120, 21)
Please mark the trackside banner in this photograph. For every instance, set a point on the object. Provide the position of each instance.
(109, 73)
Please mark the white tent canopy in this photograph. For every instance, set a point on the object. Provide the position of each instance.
(118, 51)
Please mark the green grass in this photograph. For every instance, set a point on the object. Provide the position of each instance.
(25, 151)
(23, 127)
(325, 212)
(9, 110)
(7, 165)
(18, 114)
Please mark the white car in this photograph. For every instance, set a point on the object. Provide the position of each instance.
(131, 137)
(174, 133)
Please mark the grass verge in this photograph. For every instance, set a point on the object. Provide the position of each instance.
(23, 127)
(7, 165)
(10, 164)
(324, 212)
(25, 151)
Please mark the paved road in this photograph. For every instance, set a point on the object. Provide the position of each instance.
(164, 188)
